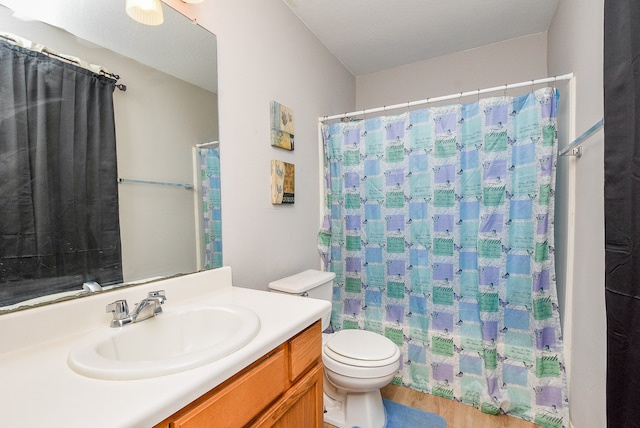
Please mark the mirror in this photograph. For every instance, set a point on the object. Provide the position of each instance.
(169, 107)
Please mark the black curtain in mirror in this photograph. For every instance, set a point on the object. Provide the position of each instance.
(59, 221)
(622, 209)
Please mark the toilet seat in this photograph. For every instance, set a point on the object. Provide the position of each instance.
(361, 350)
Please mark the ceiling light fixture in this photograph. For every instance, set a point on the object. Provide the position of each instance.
(148, 12)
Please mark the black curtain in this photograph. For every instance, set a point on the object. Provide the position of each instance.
(622, 209)
(59, 221)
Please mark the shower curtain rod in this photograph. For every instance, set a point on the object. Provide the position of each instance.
(19, 41)
(575, 148)
(211, 143)
(447, 97)
(161, 183)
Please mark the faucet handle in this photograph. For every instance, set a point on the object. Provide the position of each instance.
(159, 297)
(119, 308)
(157, 293)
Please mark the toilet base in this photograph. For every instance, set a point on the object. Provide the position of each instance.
(354, 409)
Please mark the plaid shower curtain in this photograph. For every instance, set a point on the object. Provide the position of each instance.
(439, 227)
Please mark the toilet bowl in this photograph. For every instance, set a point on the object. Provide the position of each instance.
(357, 363)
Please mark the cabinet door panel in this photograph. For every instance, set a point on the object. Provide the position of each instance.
(300, 407)
(305, 350)
(240, 402)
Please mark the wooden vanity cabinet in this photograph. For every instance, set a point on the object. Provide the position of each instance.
(281, 389)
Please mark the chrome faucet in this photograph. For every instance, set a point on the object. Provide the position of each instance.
(146, 308)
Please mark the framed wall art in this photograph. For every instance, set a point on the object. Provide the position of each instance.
(282, 126)
(282, 182)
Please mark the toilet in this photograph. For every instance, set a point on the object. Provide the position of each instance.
(357, 363)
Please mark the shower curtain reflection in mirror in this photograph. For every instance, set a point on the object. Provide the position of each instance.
(439, 227)
(59, 222)
(211, 234)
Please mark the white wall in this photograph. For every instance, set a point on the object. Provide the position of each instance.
(265, 53)
(575, 44)
(501, 63)
(159, 119)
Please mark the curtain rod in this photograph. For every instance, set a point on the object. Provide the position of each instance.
(575, 148)
(212, 143)
(161, 183)
(447, 97)
(19, 41)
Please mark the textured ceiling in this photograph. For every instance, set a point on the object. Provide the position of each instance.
(374, 35)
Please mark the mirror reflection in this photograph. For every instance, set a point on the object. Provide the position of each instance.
(168, 109)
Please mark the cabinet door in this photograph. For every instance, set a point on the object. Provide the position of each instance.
(300, 407)
(238, 403)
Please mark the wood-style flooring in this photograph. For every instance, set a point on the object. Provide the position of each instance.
(457, 415)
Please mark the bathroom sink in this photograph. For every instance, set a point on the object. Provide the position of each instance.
(168, 343)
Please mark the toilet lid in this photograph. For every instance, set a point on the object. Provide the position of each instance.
(362, 345)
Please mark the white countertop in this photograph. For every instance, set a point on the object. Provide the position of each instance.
(38, 389)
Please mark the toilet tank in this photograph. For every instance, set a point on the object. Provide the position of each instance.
(310, 283)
